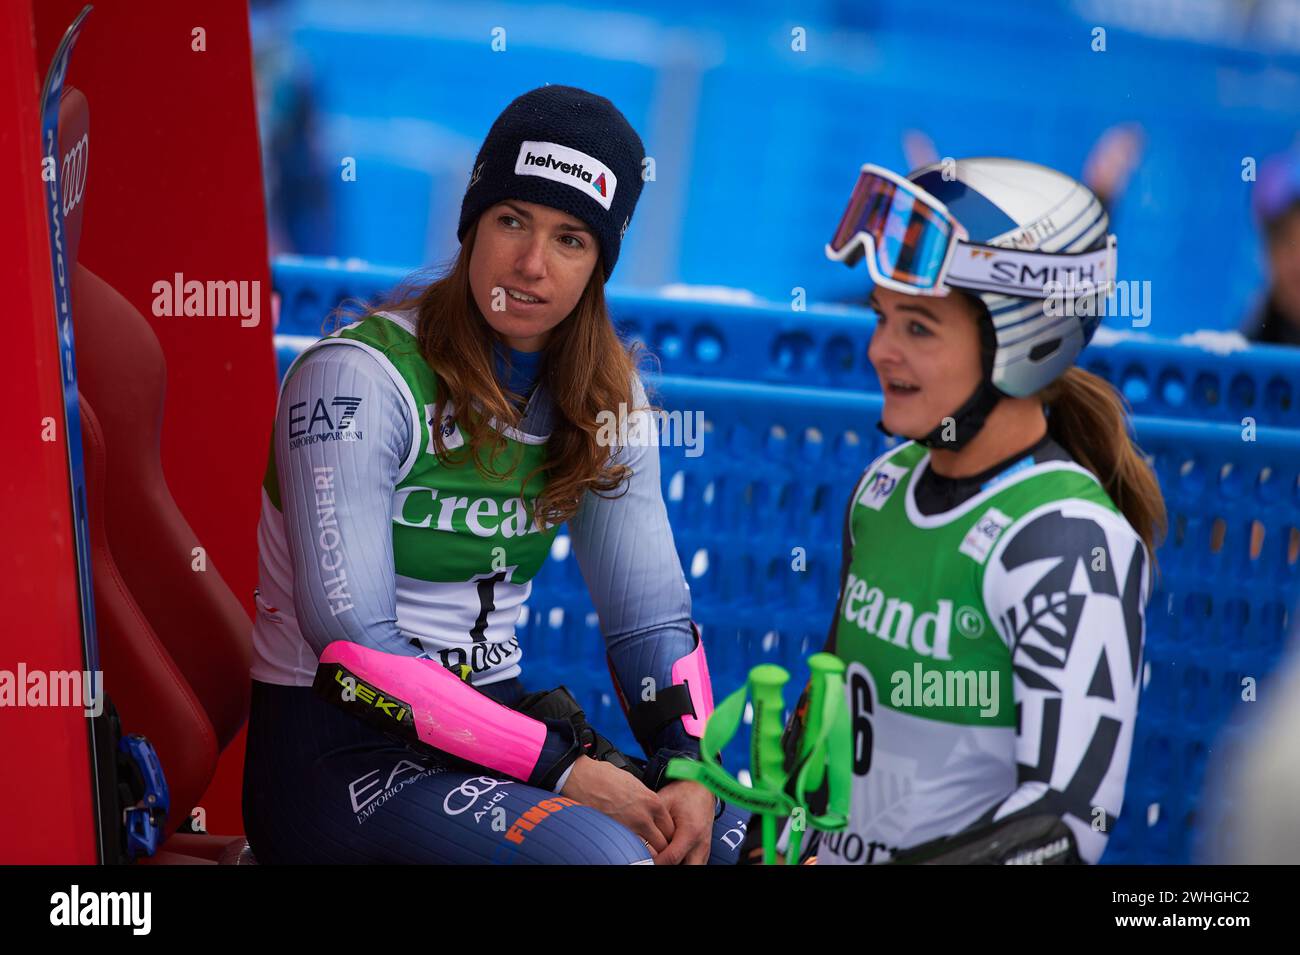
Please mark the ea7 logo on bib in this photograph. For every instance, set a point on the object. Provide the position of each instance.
(569, 166)
(451, 436)
(880, 486)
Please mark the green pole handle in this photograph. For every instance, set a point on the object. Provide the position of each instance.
(825, 675)
(824, 748)
(766, 683)
(823, 667)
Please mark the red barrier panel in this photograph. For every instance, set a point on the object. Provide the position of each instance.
(174, 195)
(46, 810)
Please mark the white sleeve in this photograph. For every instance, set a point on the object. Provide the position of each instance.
(624, 544)
(1066, 589)
(624, 547)
(340, 492)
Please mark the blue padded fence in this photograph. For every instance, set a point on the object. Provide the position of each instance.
(827, 348)
(747, 132)
(777, 464)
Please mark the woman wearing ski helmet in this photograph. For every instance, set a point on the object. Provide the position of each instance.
(996, 564)
(422, 459)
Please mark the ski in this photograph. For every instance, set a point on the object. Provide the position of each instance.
(51, 95)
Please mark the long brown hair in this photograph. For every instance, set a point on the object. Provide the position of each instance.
(586, 369)
(1089, 418)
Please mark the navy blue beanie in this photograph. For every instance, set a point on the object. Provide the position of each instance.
(565, 148)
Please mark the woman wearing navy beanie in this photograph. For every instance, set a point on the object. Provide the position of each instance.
(422, 460)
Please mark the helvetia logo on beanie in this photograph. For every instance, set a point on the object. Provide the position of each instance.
(569, 166)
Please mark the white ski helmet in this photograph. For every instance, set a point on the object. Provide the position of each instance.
(1028, 242)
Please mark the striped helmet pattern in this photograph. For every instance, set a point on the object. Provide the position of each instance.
(1022, 205)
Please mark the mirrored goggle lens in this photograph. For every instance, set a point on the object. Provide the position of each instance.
(910, 237)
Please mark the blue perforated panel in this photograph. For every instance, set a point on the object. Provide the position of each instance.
(779, 460)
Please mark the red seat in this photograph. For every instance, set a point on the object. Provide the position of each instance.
(174, 640)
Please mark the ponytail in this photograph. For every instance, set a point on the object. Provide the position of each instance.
(1089, 418)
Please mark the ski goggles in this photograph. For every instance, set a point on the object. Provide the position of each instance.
(913, 244)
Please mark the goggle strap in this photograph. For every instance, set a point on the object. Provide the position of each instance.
(1032, 274)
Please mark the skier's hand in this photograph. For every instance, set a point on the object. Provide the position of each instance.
(691, 806)
(623, 797)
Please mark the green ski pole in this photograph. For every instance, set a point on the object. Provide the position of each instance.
(824, 753)
(766, 760)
